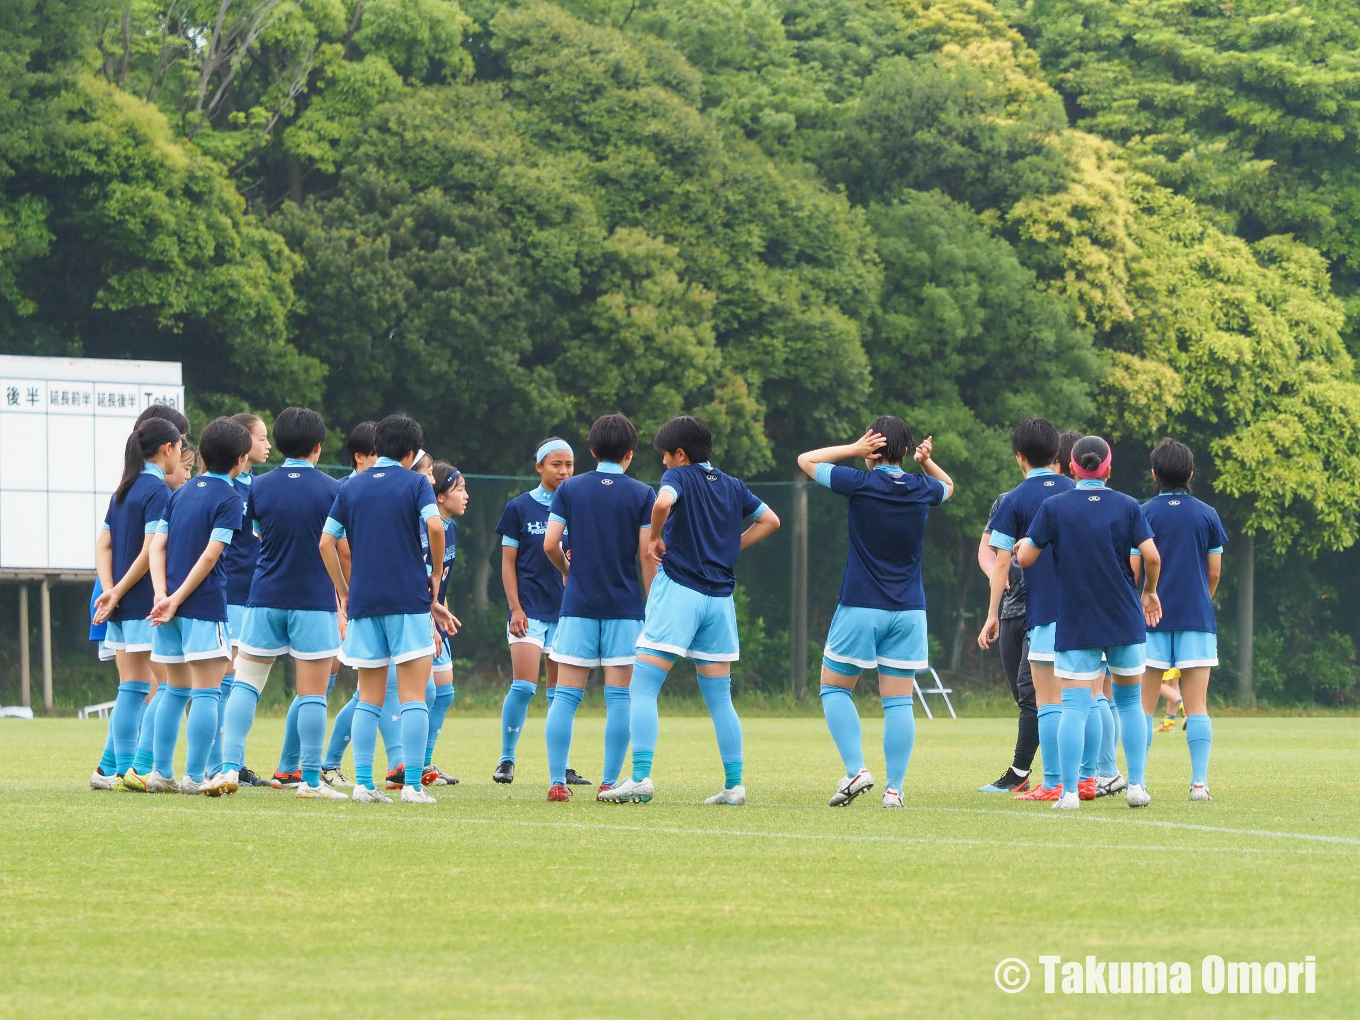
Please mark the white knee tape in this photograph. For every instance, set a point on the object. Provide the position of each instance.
(255, 674)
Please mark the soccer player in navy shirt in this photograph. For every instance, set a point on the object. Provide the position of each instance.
(122, 562)
(451, 496)
(697, 531)
(389, 597)
(189, 616)
(1035, 443)
(533, 591)
(1190, 539)
(880, 620)
(1089, 532)
(607, 515)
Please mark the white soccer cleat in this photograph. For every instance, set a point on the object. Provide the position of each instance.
(1137, 796)
(157, 783)
(334, 777)
(1068, 802)
(735, 796)
(99, 781)
(190, 788)
(848, 789)
(363, 795)
(1108, 785)
(319, 792)
(629, 792)
(415, 795)
(223, 784)
(1198, 791)
(892, 799)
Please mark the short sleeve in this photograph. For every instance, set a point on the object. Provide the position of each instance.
(674, 480)
(991, 514)
(937, 490)
(426, 505)
(509, 524)
(1040, 532)
(1218, 538)
(153, 510)
(228, 516)
(751, 504)
(845, 481)
(339, 512)
(1004, 523)
(560, 504)
(1142, 530)
(648, 501)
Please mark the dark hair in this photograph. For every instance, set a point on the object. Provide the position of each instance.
(143, 443)
(1089, 452)
(298, 431)
(187, 447)
(901, 444)
(1066, 440)
(1172, 465)
(612, 437)
(445, 476)
(397, 435)
(362, 441)
(165, 413)
(222, 443)
(1035, 439)
(686, 433)
(247, 420)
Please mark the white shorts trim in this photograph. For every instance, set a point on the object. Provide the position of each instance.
(528, 639)
(264, 653)
(179, 660)
(1187, 664)
(902, 664)
(1042, 656)
(685, 653)
(446, 667)
(861, 663)
(571, 660)
(1121, 671)
(1062, 674)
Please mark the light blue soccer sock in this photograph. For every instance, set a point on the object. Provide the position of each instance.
(717, 692)
(443, 698)
(215, 752)
(415, 731)
(290, 756)
(1090, 748)
(429, 692)
(330, 684)
(557, 732)
(1199, 735)
(144, 762)
(239, 717)
(514, 710)
(551, 692)
(389, 723)
(1128, 702)
(617, 713)
(1109, 738)
(311, 724)
(108, 761)
(1049, 717)
(123, 722)
(168, 717)
(842, 719)
(364, 736)
(644, 720)
(899, 736)
(201, 730)
(1076, 707)
(344, 722)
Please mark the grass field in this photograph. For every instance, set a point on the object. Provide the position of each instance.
(496, 903)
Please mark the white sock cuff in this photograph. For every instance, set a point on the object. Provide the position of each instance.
(251, 673)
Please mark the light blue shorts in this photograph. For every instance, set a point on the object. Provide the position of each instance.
(443, 657)
(1182, 648)
(686, 622)
(105, 652)
(582, 641)
(868, 638)
(1086, 664)
(375, 641)
(303, 633)
(1041, 641)
(540, 633)
(236, 618)
(184, 640)
(129, 635)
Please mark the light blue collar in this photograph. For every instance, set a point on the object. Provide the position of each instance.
(1090, 483)
(706, 465)
(891, 469)
(542, 495)
(1039, 472)
(1173, 492)
(245, 477)
(352, 473)
(295, 462)
(214, 474)
(387, 462)
(608, 467)
(152, 469)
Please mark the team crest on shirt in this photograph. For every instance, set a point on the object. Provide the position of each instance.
(1094, 499)
(606, 481)
(536, 527)
(1173, 502)
(381, 474)
(294, 474)
(711, 478)
(1049, 483)
(202, 485)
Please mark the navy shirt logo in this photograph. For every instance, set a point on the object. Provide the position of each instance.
(711, 478)
(1049, 482)
(1173, 502)
(381, 474)
(294, 474)
(606, 481)
(1094, 499)
(202, 485)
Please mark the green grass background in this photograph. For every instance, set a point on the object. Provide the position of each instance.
(495, 903)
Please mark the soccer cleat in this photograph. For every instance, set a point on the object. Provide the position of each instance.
(130, 782)
(190, 788)
(1086, 789)
(363, 795)
(892, 798)
(505, 772)
(396, 778)
(1167, 725)
(576, 779)
(334, 777)
(157, 783)
(604, 788)
(435, 776)
(629, 792)
(99, 781)
(1068, 802)
(559, 792)
(734, 795)
(445, 779)
(249, 777)
(1041, 793)
(322, 791)
(1198, 791)
(285, 780)
(1107, 785)
(416, 795)
(223, 784)
(1010, 782)
(850, 788)
(1137, 796)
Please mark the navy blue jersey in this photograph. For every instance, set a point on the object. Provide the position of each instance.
(603, 509)
(888, 511)
(703, 532)
(288, 507)
(241, 556)
(1088, 531)
(1011, 522)
(450, 546)
(205, 509)
(380, 512)
(523, 523)
(128, 523)
(1186, 531)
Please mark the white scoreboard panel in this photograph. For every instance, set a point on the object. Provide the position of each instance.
(63, 425)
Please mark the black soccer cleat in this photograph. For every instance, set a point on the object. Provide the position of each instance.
(576, 779)
(246, 777)
(1010, 782)
(505, 772)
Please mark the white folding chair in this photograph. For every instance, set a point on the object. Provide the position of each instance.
(102, 710)
(939, 689)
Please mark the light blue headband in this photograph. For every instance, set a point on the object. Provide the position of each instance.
(551, 446)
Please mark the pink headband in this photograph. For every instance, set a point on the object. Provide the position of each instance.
(1099, 472)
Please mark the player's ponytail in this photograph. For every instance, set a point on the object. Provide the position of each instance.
(142, 444)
